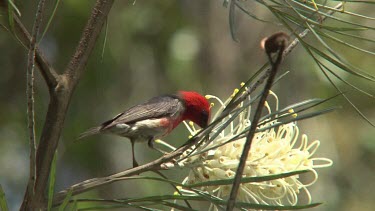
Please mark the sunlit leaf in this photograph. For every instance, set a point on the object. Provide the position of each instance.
(52, 181)
(57, 2)
(66, 200)
(104, 40)
(14, 7)
(3, 201)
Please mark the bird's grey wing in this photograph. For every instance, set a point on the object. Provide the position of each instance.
(156, 107)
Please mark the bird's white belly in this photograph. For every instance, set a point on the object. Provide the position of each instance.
(142, 130)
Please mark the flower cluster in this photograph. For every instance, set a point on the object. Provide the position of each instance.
(275, 150)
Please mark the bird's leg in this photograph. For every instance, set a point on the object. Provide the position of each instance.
(135, 164)
(151, 145)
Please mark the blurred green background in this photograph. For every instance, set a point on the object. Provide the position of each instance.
(157, 47)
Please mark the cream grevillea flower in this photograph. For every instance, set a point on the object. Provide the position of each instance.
(273, 151)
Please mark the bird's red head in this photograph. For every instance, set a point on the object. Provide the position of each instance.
(197, 108)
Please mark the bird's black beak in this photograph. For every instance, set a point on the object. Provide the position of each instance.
(204, 124)
(205, 116)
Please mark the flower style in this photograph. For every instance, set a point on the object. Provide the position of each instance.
(274, 150)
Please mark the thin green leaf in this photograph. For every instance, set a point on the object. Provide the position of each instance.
(66, 200)
(232, 23)
(247, 179)
(355, 1)
(314, 101)
(319, 38)
(11, 14)
(342, 66)
(14, 7)
(308, 104)
(337, 63)
(147, 208)
(121, 202)
(345, 43)
(297, 107)
(201, 196)
(113, 207)
(177, 206)
(74, 205)
(344, 95)
(353, 36)
(162, 198)
(249, 81)
(57, 2)
(324, 14)
(298, 118)
(344, 11)
(308, 48)
(11, 19)
(338, 89)
(248, 13)
(339, 58)
(224, 202)
(299, 22)
(104, 40)
(344, 62)
(277, 3)
(209, 197)
(3, 201)
(281, 77)
(52, 182)
(274, 207)
(345, 81)
(198, 192)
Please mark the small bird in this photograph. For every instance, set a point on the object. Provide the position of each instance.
(155, 118)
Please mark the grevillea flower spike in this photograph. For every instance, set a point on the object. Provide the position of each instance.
(275, 150)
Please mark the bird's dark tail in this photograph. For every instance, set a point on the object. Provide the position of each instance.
(90, 132)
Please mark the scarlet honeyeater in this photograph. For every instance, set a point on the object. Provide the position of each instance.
(156, 118)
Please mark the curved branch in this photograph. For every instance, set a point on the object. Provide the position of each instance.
(158, 164)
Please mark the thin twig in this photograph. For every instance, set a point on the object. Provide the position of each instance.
(151, 166)
(30, 94)
(49, 74)
(258, 113)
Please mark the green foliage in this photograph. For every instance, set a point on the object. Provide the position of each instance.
(3, 201)
(140, 62)
(52, 182)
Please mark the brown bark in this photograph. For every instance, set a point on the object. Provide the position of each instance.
(61, 89)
